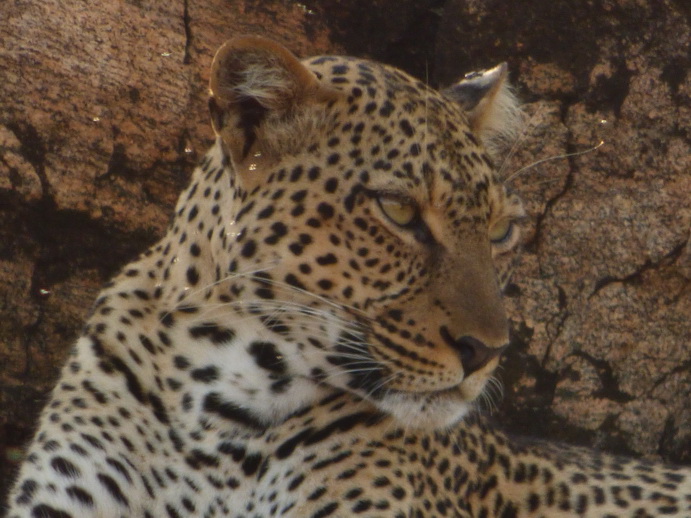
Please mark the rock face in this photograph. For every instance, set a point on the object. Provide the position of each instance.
(602, 301)
(103, 116)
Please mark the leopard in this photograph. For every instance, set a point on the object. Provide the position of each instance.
(312, 335)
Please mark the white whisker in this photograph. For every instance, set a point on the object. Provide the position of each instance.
(556, 157)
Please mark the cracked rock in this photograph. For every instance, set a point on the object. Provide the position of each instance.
(604, 285)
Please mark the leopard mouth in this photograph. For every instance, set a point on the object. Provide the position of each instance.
(367, 377)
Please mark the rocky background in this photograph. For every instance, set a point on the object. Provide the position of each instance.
(103, 116)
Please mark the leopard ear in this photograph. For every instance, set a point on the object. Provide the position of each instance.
(260, 94)
(492, 109)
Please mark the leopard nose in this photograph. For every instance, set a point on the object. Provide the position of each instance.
(474, 354)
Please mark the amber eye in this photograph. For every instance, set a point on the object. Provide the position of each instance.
(399, 211)
(501, 231)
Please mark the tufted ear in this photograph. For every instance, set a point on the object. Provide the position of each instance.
(261, 95)
(491, 106)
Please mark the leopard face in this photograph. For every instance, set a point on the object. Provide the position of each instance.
(366, 226)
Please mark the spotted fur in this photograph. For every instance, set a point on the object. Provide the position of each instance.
(310, 334)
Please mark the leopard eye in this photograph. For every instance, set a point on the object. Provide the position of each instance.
(399, 211)
(501, 231)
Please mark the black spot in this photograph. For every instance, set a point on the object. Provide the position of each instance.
(205, 374)
(192, 275)
(198, 459)
(406, 127)
(287, 448)
(164, 338)
(187, 503)
(45, 511)
(296, 174)
(79, 450)
(214, 403)
(140, 294)
(158, 408)
(360, 223)
(120, 468)
(295, 483)
(280, 386)
(79, 402)
(325, 284)
(266, 212)
(251, 463)
(147, 486)
(249, 248)
(349, 201)
(331, 185)
(325, 210)
(327, 510)
(181, 362)
(80, 495)
(51, 445)
(333, 159)
(267, 357)
(386, 109)
(296, 248)
(148, 344)
(298, 196)
(65, 467)
(235, 451)
(361, 506)
(167, 319)
(98, 395)
(97, 347)
(28, 488)
(279, 230)
(178, 443)
(113, 488)
(327, 259)
(216, 334)
(398, 493)
(193, 213)
(314, 173)
(294, 281)
(343, 424)
(172, 513)
(187, 402)
(396, 314)
(275, 324)
(264, 293)
(133, 384)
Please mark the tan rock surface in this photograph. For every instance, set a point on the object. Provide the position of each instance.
(603, 333)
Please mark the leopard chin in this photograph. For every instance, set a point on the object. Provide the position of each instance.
(429, 411)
